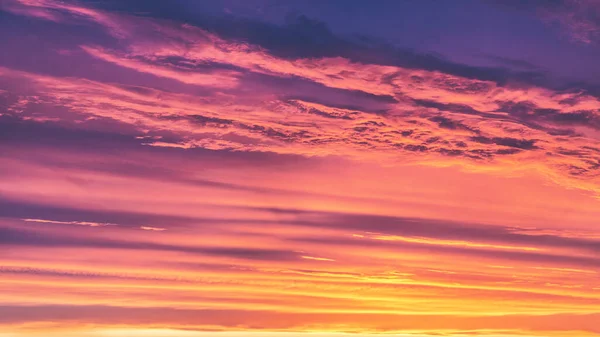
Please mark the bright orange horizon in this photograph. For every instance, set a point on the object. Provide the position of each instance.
(194, 169)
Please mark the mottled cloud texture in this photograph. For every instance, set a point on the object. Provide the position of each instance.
(165, 176)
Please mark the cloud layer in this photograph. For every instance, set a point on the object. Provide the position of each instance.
(235, 175)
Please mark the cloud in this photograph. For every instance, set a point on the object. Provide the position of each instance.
(79, 223)
(524, 144)
(155, 229)
(383, 231)
(316, 258)
(446, 231)
(207, 122)
(510, 62)
(212, 77)
(285, 168)
(32, 238)
(579, 18)
(311, 38)
(257, 320)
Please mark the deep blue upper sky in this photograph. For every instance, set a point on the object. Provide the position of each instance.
(525, 36)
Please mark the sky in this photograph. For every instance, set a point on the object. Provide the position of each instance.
(280, 168)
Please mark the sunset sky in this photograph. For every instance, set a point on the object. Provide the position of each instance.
(280, 168)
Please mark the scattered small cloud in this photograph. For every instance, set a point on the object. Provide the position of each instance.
(306, 257)
(156, 229)
(78, 223)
